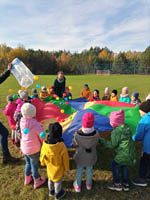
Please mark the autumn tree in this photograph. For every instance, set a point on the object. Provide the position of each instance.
(145, 61)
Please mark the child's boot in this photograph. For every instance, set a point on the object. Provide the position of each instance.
(38, 182)
(60, 195)
(76, 187)
(28, 179)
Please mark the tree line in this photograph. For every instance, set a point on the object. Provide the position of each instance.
(88, 61)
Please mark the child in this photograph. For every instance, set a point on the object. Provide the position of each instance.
(9, 112)
(85, 156)
(106, 96)
(59, 84)
(124, 97)
(123, 144)
(148, 97)
(51, 91)
(85, 93)
(54, 155)
(67, 93)
(114, 95)
(95, 96)
(143, 134)
(135, 98)
(44, 92)
(23, 94)
(31, 144)
(17, 118)
(34, 94)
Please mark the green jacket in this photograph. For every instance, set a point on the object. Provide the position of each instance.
(59, 87)
(122, 142)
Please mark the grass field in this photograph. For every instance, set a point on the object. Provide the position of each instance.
(12, 176)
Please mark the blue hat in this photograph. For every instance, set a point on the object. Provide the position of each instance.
(86, 85)
(136, 95)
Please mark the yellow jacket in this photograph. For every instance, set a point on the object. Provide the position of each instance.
(114, 98)
(44, 95)
(56, 159)
(85, 93)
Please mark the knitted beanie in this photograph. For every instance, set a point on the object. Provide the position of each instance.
(10, 98)
(19, 105)
(145, 106)
(28, 110)
(67, 89)
(51, 87)
(23, 94)
(135, 94)
(117, 118)
(34, 91)
(106, 89)
(86, 85)
(115, 92)
(43, 88)
(125, 88)
(88, 120)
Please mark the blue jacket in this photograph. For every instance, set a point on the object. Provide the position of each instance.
(143, 133)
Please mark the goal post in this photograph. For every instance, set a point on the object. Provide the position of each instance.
(103, 72)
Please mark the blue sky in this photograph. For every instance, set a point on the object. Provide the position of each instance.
(75, 25)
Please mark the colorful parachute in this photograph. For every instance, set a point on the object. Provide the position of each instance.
(71, 117)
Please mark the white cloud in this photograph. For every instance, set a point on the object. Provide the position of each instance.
(74, 25)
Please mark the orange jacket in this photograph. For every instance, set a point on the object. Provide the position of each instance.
(85, 93)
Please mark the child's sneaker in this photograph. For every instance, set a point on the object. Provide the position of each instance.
(28, 180)
(148, 178)
(76, 187)
(60, 195)
(38, 182)
(125, 187)
(115, 186)
(88, 187)
(140, 182)
(51, 193)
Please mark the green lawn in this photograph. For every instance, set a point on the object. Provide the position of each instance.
(12, 176)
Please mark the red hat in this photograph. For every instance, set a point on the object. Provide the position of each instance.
(117, 118)
(51, 87)
(88, 120)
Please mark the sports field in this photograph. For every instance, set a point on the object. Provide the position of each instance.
(12, 176)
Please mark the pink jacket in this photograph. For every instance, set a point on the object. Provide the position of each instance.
(31, 143)
(9, 112)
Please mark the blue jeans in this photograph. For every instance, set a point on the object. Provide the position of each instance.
(89, 175)
(124, 171)
(32, 163)
(4, 140)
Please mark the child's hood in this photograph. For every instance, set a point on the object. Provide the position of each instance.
(86, 141)
(125, 130)
(53, 149)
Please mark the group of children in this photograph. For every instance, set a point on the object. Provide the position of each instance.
(54, 155)
(44, 93)
(124, 97)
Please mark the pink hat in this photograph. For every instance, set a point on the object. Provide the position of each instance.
(20, 103)
(117, 118)
(88, 120)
